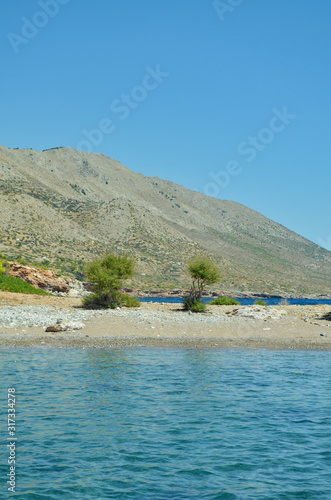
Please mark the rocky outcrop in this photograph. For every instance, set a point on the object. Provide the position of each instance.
(48, 280)
(39, 278)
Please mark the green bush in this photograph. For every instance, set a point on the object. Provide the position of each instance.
(17, 285)
(224, 301)
(2, 269)
(102, 301)
(109, 301)
(130, 301)
(190, 304)
(107, 275)
(203, 272)
(260, 303)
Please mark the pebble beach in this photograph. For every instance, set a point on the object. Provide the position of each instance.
(25, 318)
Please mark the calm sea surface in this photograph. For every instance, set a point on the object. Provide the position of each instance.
(168, 424)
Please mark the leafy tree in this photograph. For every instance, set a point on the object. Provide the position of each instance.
(108, 275)
(203, 273)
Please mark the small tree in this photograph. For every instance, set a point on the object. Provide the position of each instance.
(108, 275)
(203, 273)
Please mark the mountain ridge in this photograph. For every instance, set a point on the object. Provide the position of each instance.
(62, 205)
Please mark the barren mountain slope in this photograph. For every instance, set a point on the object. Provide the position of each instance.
(62, 204)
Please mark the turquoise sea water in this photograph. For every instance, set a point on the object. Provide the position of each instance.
(168, 424)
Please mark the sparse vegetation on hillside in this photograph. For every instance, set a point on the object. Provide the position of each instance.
(57, 204)
(108, 275)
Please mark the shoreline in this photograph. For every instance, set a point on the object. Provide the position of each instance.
(113, 342)
(212, 294)
(162, 325)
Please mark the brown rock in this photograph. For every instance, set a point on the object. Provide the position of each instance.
(54, 328)
(40, 278)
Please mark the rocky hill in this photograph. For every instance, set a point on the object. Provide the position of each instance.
(64, 207)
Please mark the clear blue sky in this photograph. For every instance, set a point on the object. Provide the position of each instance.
(184, 90)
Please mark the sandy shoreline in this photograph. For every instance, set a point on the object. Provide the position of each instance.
(164, 325)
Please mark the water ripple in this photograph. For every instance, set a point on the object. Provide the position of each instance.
(170, 424)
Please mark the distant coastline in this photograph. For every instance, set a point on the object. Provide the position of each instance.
(212, 293)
